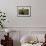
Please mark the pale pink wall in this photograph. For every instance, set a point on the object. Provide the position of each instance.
(38, 13)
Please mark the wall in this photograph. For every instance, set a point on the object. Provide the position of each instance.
(38, 13)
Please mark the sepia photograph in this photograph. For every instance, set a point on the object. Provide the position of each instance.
(24, 11)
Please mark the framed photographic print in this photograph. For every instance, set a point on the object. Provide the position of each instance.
(24, 11)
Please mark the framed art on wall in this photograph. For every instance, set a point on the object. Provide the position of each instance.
(24, 11)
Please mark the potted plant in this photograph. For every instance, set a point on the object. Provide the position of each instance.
(2, 19)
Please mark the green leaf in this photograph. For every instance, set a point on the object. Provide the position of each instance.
(0, 12)
(0, 21)
(3, 19)
(4, 13)
(2, 26)
(4, 16)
